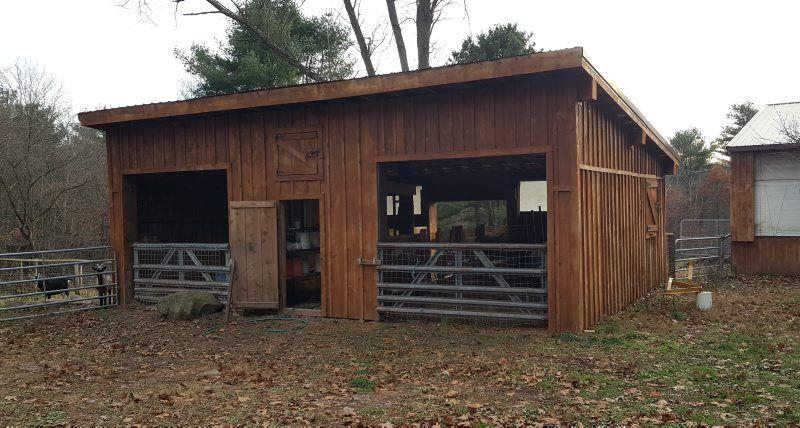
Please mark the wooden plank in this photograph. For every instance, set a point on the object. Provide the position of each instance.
(465, 154)
(337, 214)
(175, 168)
(353, 211)
(369, 209)
(742, 197)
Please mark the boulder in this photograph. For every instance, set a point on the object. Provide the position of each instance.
(187, 305)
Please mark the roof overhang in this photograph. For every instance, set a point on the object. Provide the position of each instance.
(565, 59)
(763, 148)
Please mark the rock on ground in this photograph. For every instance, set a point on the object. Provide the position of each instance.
(187, 305)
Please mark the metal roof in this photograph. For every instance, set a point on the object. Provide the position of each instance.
(766, 127)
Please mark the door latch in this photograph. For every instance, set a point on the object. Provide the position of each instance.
(366, 262)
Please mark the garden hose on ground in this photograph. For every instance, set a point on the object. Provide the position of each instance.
(299, 323)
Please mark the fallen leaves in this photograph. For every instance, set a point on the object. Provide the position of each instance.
(735, 365)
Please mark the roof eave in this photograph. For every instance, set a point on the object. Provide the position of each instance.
(325, 91)
(632, 112)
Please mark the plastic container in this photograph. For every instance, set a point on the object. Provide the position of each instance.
(704, 300)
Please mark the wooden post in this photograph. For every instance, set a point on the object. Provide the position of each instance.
(129, 235)
(565, 293)
(671, 254)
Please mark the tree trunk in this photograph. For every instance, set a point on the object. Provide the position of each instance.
(362, 43)
(425, 9)
(398, 35)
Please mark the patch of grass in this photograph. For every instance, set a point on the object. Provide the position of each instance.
(704, 418)
(55, 417)
(678, 315)
(363, 384)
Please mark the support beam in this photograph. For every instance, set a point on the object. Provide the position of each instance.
(587, 89)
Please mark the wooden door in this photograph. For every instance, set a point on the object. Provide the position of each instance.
(254, 248)
(298, 155)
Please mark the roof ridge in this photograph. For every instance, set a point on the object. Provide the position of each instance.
(784, 103)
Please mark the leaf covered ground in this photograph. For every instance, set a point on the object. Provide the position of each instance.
(659, 362)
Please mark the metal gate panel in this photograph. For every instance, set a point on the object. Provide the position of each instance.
(54, 282)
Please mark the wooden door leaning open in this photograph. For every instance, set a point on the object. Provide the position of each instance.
(254, 247)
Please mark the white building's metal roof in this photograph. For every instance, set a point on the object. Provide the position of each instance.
(766, 127)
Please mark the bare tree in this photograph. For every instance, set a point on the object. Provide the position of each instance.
(364, 47)
(790, 129)
(43, 162)
(428, 14)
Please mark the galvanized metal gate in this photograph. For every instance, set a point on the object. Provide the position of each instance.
(705, 256)
(162, 269)
(490, 281)
(52, 282)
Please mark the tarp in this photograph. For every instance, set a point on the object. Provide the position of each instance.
(777, 194)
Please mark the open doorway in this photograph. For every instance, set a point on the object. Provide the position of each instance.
(479, 200)
(464, 238)
(182, 207)
(302, 265)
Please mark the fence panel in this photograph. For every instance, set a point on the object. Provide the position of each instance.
(488, 281)
(52, 282)
(708, 256)
(162, 269)
(704, 227)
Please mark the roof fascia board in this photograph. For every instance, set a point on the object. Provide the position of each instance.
(465, 73)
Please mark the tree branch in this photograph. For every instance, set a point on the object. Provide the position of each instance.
(398, 34)
(201, 13)
(362, 43)
(281, 52)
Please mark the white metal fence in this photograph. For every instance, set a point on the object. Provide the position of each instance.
(163, 269)
(51, 282)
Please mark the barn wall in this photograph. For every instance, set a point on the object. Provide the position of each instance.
(767, 255)
(619, 262)
(751, 254)
(743, 217)
(519, 116)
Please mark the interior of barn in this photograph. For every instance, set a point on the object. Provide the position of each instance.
(465, 238)
(302, 262)
(478, 200)
(182, 207)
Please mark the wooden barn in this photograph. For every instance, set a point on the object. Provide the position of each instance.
(765, 193)
(524, 189)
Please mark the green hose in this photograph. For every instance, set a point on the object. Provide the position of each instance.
(300, 323)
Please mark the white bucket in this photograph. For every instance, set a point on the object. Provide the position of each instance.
(302, 239)
(704, 300)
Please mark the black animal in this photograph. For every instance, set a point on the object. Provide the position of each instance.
(52, 286)
(102, 290)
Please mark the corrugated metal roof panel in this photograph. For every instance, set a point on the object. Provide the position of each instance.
(766, 127)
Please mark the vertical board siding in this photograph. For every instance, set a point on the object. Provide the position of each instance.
(743, 217)
(485, 117)
(599, 258)
(620, 264)
(490, 117)
(767, 255)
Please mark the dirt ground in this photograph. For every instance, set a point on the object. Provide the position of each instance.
(661, 361)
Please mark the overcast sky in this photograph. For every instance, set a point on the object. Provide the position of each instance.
(683, 63)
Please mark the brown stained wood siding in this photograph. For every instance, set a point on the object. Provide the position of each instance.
(620, 263)
(743, 217)
(591, 212)
(767, 255)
